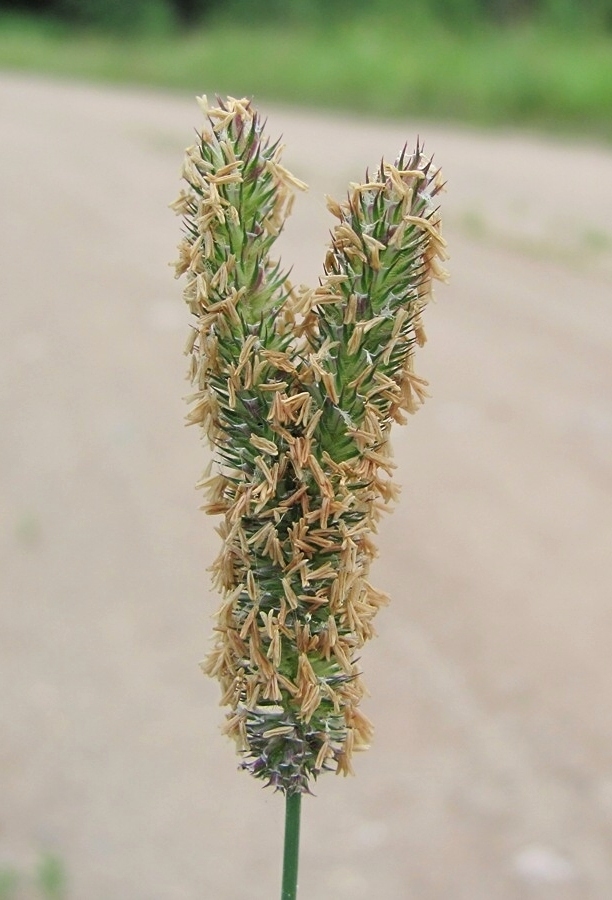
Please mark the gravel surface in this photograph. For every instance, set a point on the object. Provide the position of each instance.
(490, 777)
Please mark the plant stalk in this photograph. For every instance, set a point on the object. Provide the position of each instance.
(292, 846)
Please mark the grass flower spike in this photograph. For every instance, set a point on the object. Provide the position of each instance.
(296, 391)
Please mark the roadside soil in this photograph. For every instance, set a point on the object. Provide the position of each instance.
(490, 777)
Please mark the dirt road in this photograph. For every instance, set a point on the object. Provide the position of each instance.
(491, 773)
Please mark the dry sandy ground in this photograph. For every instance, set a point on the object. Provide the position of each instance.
(490, 777)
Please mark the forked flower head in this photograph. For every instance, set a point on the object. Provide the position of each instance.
(296, 391)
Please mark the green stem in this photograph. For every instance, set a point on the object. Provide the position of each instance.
(292, 846)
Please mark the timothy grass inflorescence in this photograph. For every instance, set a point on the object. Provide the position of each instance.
(296, 391)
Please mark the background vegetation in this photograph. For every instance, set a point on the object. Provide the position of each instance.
(139, 15)
(542, 63)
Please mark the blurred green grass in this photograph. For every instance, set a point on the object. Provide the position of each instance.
(522, 74)
(48, 881)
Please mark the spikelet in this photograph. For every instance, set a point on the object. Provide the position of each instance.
(296, 391)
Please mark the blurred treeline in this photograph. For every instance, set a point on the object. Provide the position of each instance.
(136, 16)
